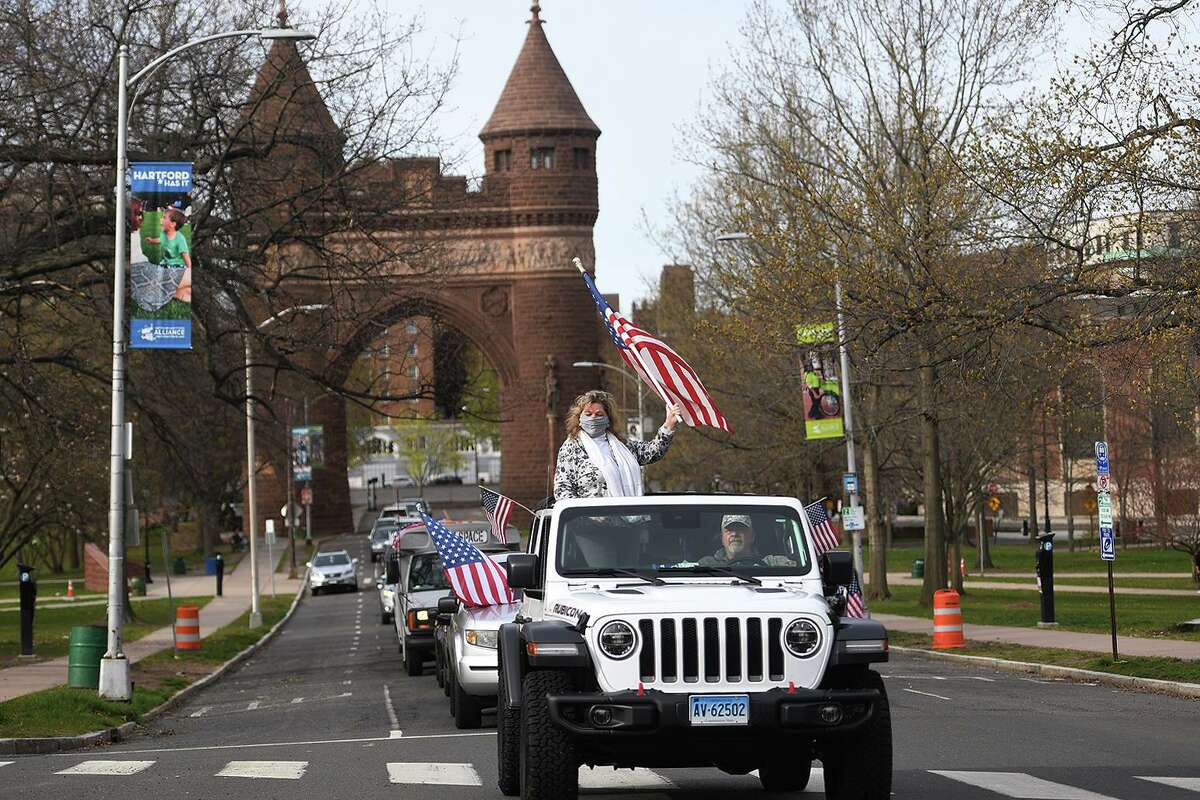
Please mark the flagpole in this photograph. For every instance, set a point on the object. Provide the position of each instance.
(645, 373)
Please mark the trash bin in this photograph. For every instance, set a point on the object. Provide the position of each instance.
(918, 568)
(210, 565)
(87, 644)
(138, 585)
(179, 567)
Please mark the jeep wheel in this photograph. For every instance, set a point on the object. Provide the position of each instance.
(412, 662)
(549, 770)
(508, 732)
(467, 710)
(860, 767)
(785, 773)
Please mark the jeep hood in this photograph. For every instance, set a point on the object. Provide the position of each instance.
(684, 598)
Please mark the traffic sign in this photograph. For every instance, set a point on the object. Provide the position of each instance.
(850, 483)
(1104, 510)
(993, 504)
(1104, 483)
(1108, 550)
(853, 518)
(306, 497)
(1101, 458)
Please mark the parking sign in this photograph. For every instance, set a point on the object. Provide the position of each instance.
(1108, 550)
(1101, 458)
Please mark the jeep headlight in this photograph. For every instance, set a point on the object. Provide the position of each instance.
(802, 638)
(617, 639)
(482, 638)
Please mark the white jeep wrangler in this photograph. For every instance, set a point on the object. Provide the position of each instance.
(687, 631)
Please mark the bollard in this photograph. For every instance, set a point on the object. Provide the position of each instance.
(28, 593)
(1044, 564)
(187, 628)
(947, 620)
(220, 574)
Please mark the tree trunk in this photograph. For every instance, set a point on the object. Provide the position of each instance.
(74, 545)
(1033, 518)
(935, 546)
(208, 515)
(955, 542)
(876, 535)
(984, 544)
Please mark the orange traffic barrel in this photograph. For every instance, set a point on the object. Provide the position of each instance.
(187, 628)
(947, 620)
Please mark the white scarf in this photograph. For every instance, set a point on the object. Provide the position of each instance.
(624, 471)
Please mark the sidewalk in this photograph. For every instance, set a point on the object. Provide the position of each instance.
(220, 611)
(1048, 637)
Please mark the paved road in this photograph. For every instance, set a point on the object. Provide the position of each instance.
(326, 711)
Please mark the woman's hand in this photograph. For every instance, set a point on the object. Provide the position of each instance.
(674, 414)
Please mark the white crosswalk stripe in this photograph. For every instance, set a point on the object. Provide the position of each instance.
(106, 768)
(1020, 785)
(426, 773)
(280, 770)
(608, 779)
(5, 763)
(1191, 784)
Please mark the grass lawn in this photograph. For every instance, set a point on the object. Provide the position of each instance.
(1019, 558)
(1137, 615)
(1186, 584)
(1169, 669)
(67, 712)
(52, 626)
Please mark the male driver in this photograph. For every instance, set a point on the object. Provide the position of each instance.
(737, 545)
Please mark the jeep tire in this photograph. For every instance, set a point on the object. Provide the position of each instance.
(785, 773)
(508, 738)
(859, 767)
(549, 770)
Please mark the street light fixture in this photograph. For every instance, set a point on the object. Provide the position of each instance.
(114, 666)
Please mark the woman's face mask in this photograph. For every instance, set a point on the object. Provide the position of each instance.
(593, 425)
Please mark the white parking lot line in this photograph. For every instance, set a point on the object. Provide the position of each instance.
(1020, 785)
(106, 768)
(280, 770)
(200, 712)
(430, 773)
(608, 778)
(1191, 784)
(252, 705)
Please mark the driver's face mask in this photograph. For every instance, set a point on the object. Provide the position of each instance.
(593, 425)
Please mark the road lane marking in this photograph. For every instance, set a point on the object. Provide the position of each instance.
(203, 748)
(608, 778)
(926, 694)
(252, 705)
(427, 773)
(297, 700)
(816, 781)
(279, 770)
(1191, 784)
(391, 710)
(396, 734)
(201, 711)
(5, 763)
(107, 768)
(1020, 785)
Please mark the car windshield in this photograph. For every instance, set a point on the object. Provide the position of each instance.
(382, 533)
(331, 560)
(678, 540)
(425, 573)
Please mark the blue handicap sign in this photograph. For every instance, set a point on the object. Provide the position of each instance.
(1101, 458)
(850, 482)
(1108, 549)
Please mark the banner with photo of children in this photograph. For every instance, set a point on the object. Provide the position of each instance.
(308, 450)
(160, 255)
(822, 390)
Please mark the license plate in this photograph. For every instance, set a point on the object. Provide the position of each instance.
(719, 709)
(475, 537)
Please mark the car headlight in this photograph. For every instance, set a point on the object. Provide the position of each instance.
(802, 638)
(423, 615)
(482, 638)
(617, 639)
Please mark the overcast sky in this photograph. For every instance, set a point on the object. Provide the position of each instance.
(642, 69)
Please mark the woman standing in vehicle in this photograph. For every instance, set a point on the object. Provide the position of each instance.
(594, 462)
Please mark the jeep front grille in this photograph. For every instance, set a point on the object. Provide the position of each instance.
(710, 649)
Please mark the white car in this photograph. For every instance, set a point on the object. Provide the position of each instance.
(409, 508)
(688, 631)
(468, 655)
(333, 569)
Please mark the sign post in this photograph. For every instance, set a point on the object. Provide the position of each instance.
(1108, 549)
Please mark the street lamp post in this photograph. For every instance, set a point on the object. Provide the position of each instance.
(251, 476)
(847, 400)
(114, 666)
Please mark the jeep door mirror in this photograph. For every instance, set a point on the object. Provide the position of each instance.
(447, 605)
(522, 569)
(393, 570)
(837, 569)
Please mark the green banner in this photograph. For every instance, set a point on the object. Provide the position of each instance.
(822, 389)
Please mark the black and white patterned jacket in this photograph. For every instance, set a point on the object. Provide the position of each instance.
(576, 476)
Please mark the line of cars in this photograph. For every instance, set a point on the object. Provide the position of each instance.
(668, 631)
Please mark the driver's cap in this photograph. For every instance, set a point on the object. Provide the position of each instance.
(735, 519)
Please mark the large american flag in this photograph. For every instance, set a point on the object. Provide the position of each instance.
(475, 578)
(823, 533)
(658, 365)
(498, 509)
(855, 606)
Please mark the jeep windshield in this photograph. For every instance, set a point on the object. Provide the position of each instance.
(727, 540)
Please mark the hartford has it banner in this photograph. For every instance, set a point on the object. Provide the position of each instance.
(822, 391)
(160, 270)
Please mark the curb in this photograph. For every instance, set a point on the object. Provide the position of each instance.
(1189, 691)
(60, 744)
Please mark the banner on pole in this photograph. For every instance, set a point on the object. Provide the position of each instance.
(822, 390)
(308, 450)
(160, 256)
